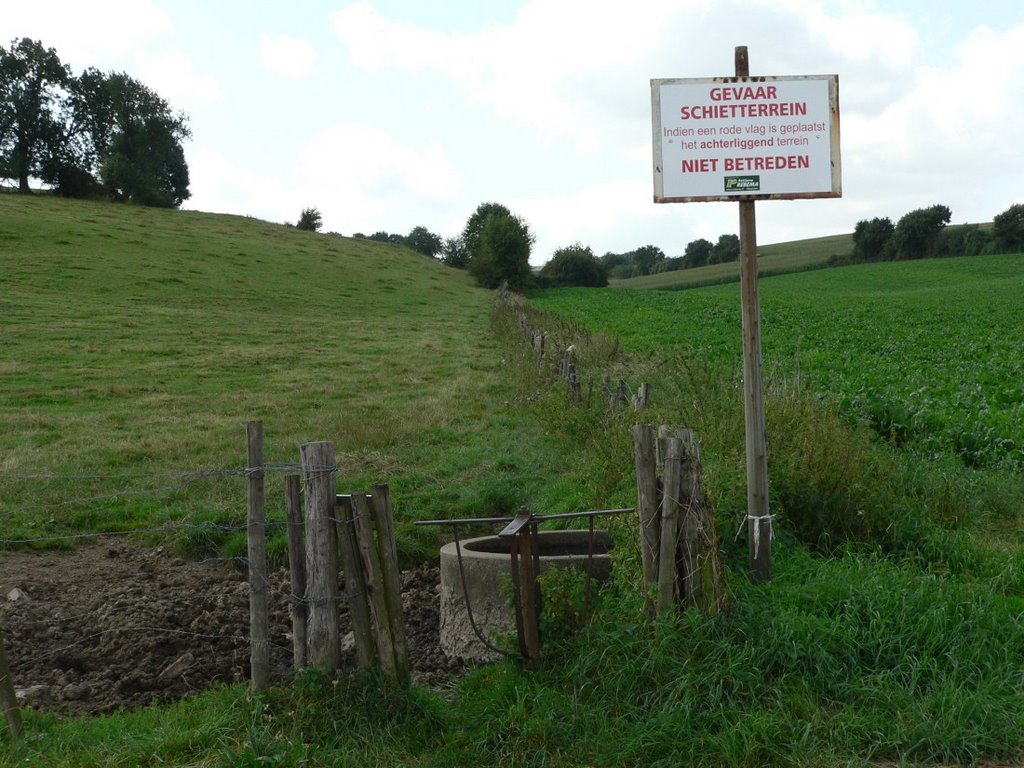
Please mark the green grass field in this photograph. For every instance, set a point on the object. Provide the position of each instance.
(136, 344)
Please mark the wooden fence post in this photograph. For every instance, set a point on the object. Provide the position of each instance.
(321, 556)
(574, 384)
(383, 516)
(355, 585)
(647, 507)
(642, 398)
(296, 568)
(259, 622)
(704, 575)
(678, 543)
(667, 572)
(689, 502)
(529, 594)
(8, 698)
(372, 572)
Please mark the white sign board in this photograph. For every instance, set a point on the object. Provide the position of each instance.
(746, 138)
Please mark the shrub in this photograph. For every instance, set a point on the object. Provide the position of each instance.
(1008, 227)
(310, 220)
(575, 265)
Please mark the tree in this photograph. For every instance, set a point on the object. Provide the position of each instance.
(1008, 228)
(917, 234)
(871, 239)
(965, 240)
(310, 220)
(502, 252)
(697, 253)
(473, 232)
(31, 81)
(454, 253)
(422, 240)
(645, 257)
(725, 250)
(74, 133)
(136, 139)
(617, 265)
(670, 264)
(575, 265)
(387, 237)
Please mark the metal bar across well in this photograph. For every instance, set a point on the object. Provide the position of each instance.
(536, 518)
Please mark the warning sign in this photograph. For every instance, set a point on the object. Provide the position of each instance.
(746, 138)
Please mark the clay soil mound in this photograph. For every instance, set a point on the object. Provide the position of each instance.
(110, 625)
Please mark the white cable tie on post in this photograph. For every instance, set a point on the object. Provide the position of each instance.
(757, 529)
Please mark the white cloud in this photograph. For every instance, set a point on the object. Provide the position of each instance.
(136, 36)
(949, 137)
(365, 175)
(217, 184)
(530, 71)
(290, 56)
(366, 157)
(85, 34)
(570, 67)
(173, 75)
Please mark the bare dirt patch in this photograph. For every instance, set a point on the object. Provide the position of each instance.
(110, 625)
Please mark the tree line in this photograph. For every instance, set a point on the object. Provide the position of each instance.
(650, 260)
(98, 134)
(495, 247)
(923, 233)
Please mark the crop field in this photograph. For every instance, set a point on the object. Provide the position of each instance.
(773, 259)
(929, 353)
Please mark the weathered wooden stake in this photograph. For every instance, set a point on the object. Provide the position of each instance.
(647, 507)
(383, 517)
(759, 524)
(642, 398)
(296, 568)
(321, 556)
(8, 698)
(690, 503)
(373, 575)
(259, 622)
(529, 594)
(355, 585)
(667, 572)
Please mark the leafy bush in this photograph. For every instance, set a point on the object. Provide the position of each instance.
(1008, 228)
(575, 265)
(309, 220)
(916, 235)
(871, 239)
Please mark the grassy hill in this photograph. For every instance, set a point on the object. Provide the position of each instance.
(774, 259)
(136, 343)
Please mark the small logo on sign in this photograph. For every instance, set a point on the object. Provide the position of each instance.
(742, 183)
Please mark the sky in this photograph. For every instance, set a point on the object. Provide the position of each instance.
(391, 114)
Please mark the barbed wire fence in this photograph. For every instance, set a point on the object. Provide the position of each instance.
(557, 354)
(267, 651)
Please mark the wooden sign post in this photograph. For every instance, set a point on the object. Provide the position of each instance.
(759, 521)
(742, 139)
